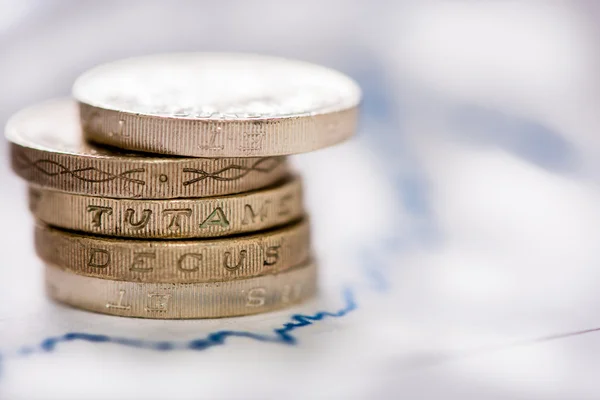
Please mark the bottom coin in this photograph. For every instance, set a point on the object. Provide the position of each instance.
(182, 300)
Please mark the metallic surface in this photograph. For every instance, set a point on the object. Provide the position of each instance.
(176, 218)
(217, 105)
(174, 261)
(182, 300)
(48, 150)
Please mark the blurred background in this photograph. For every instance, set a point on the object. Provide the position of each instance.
(479, 154)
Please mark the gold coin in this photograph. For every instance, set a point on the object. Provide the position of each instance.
(183, 300)
(175, 260)
(169, 219)
(48, 150)
(217, 105)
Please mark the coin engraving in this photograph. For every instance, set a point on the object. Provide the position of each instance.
(250, 216)
(119, 305)
(256, 297)
(264, 165)
(185, 300)
(291, 292)
(97, 212)
(141, 222)
(212, 142)
(238, 257)
(251, 142)
(171, 219)
(157, 302)
(85, 174)
(189, 262)
(99, 258)
(119, 131)
(230, 264)
(271, 255)
(216, 218)
(139, 263)
(174, 214)
(284, 205)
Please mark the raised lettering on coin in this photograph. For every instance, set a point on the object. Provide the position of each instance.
(250, 215)
(251, 141)
(256, 297)
(139, 224)
(213, 139)
(139, 262)
(175, 261)
(216, 218)
(99, 258)
(98, 211)
(185, 299)
(284, 206)
(175, 213)
(157, 302)
(193, 263)
(291, 292)
(119, 304)
(119, 131)
(271, 255)
(227, 263)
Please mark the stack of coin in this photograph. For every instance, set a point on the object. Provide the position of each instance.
(163, 189)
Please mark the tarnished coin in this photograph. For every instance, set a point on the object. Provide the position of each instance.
(217, 105)
(174, 261)
(48, 150)
(183, 300)
(178, 218)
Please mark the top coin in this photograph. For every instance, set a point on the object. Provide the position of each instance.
(216, 105)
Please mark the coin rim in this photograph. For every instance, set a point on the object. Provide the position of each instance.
(76, 280)
(155, 134)
(46, 237)
(78, 221)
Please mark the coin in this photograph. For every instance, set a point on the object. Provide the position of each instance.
(174, 261)
(182, 300)
(48, 150)
(217, 105)
(178, 218)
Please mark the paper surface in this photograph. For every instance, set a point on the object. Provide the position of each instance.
(457, 240)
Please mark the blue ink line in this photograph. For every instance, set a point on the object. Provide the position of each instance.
(281, 335)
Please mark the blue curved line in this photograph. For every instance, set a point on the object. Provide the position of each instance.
(282, 335)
